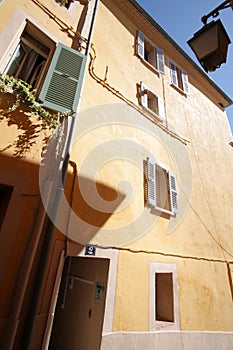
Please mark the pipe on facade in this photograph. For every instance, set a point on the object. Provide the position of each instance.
(27, 341)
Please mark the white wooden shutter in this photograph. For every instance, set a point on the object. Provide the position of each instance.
(140, 44)
(151, 182)
(161, 108)
(173, 73)
(173, 193)
(10, 69)
(185, 82)
(144, 96)
(160, 60)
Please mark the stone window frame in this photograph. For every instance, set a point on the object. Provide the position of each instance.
(163, 325)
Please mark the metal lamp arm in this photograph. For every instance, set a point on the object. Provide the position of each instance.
(215, 12)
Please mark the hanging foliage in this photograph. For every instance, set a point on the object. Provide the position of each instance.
(24, 95)
(67, 3)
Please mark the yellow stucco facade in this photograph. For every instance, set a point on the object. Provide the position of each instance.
(200, 242)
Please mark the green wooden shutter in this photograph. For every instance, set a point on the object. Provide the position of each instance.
(173, 193)
(151, 182)
(62, 86)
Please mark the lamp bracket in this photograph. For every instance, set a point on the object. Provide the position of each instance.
(215, 12)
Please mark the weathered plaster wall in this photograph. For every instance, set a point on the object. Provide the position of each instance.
(200, 237)
(39, 11)
(205, 229)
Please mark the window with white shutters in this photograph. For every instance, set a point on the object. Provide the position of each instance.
(179, 78)
(152, 102)
(161, 187)
(149, 53)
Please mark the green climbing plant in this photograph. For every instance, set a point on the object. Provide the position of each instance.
(23, 93)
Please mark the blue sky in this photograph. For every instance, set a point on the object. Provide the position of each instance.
(184, 19)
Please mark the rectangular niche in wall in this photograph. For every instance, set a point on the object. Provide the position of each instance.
(164, 303)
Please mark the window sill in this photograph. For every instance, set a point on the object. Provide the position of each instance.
(150, 66)
(165, 211)
(164, 325)
(179, 89)
(153, 114)
(158, 211)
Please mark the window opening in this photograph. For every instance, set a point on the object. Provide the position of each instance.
(161, 187)
(164, 299)
(30, 57)
(5, 195)
(152, 102)
(179, 77)
(150, 53)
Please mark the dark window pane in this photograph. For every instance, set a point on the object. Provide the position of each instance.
(5, 195)
(164, 304)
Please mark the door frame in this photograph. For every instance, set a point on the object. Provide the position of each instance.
(112, 255)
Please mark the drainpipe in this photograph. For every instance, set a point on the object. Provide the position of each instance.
(27, 340)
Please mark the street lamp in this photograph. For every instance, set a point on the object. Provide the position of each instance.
(211, 42)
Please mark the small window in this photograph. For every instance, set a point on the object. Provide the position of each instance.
(31, 56)
(179, 77)
(164, 301)
(152, 102)
(5, 195)
(161, 187)
(149, 53)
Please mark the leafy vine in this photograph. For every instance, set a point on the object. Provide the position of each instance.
(67, 3)
(23, 94)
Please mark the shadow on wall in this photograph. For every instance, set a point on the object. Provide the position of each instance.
(86, 207)
(20, 129)
(21, 254)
